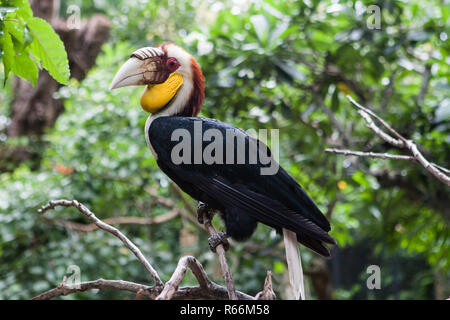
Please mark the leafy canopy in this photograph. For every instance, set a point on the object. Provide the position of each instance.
(260, 59)
(28, 43)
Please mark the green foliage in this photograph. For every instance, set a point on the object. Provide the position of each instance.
(26, 41)
(261, 60)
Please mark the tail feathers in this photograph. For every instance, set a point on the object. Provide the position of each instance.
(309, 229)
(313, 244)
(294, 264)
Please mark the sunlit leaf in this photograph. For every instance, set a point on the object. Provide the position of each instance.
(50, 49)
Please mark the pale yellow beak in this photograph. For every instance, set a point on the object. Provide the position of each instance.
(130, 74)
(147, 67)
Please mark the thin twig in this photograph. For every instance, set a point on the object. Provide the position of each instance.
(190, 211)
(173, 213)
(384, 123)
(381, 156)
(82, 209)
(220, 250)
(441, 168)
(371, 154)
(398, 141)
(168, 203)
(370, 124)
(80, 227)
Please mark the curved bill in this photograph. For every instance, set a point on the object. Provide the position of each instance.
(145, 67)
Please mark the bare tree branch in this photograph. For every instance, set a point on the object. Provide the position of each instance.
(426, 164)
(82, 209)
(216, 291)
(371, 154)
(168, 203)
(172, 285)
(370, 124)
(207, 289)
(441, 168)
(267, 292)
(372, 114)
(381, 156)
(398, 141)
(64, 289)
(188, 212)
(114, 221)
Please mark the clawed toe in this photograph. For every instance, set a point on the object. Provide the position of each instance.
(202, 209)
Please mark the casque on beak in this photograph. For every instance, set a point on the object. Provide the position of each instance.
(150, 67)
(146, 66)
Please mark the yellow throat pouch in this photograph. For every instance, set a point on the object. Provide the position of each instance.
(157, 96)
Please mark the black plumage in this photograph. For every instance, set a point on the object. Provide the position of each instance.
(239, 191)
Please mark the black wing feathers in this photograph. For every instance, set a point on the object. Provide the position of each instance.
(276, 200)
(266, 210)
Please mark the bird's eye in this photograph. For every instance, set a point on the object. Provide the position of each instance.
(172, 64)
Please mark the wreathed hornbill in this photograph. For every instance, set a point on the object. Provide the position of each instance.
(244, 196)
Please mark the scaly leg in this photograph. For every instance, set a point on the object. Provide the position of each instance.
(220, 238)
(202, 209)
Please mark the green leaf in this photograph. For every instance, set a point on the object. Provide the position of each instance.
(286, 110)
(5, 10)
(287, 70)
(23, 7)
(26, 68)
(16, 30)
(279, 267)
(261, 27)
(48, 49)
(335, 100)
(8, 53)
(277, 35)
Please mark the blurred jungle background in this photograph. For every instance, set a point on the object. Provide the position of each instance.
(269, 64)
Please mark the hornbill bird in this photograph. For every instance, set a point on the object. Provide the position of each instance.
(237, 188)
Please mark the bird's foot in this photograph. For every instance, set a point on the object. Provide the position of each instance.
(206, 212)
(203, 209)
(218, 239)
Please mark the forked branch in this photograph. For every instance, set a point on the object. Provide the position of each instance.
(88, 213)
(397, 140)
(207, 289)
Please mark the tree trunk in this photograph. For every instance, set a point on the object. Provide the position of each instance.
(34, 109)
